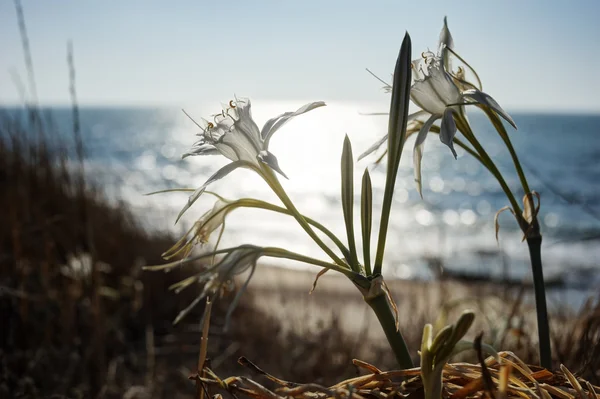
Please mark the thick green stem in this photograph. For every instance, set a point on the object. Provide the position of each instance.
(535, 253)
(385, 315)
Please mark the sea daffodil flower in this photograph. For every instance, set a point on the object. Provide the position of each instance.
(234, 134)
(442, 94)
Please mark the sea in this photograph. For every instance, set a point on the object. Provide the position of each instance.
(134, 151)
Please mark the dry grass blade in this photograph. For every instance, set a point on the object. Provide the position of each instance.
(314, 286)
(461, 380)
(247, 363)
(573, 381)
(486, 376)
(365, 365)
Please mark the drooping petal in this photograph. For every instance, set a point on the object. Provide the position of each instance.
(269, 159)
(418, 150)
(448, 130)
(274, 124)
(212, 220)
(412, 117)
(224, 171)
(374, 147)
(487, 100)
(237, 262)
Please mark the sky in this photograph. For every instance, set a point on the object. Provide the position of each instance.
(537, 55)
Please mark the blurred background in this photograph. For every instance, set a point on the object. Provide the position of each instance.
(90, 108)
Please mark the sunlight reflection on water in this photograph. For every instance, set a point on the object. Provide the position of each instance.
(136, 151)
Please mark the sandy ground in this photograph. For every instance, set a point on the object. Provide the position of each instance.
(284, 293)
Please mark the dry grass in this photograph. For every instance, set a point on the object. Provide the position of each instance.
(509, 378)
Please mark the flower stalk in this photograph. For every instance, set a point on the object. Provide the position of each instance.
(443, 93)
(381, 306)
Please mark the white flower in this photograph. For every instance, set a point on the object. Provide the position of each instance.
(235, 135)
(442, 93)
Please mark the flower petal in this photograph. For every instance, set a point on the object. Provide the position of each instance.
(445, 37)
(487, 100)
(446, 42)
(382, 140)
(237, 142)
(274, 124)
(244, 121)
(418, 150)
(448, 129)
(436, 91)
(201, 149)
(374, 147)
(269, 159)
(224, 171)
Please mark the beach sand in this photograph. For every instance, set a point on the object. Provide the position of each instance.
(284, 293)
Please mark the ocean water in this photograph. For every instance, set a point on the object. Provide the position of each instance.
(134, 151)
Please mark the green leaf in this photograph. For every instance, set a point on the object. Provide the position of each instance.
(396, 139)
(348, 200)
(441, 338)
(366, 216)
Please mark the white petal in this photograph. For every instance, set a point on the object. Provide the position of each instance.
(382, 140)
(418, 150)
(274, 124)
(212, 220)
(374, 147)
(445, 42)
(245, 123)
(445, 37)
(487, 100)
(202, 149)
(448, 129)
(224, 171)
(269, 159)
(238, 146)
(436, 91)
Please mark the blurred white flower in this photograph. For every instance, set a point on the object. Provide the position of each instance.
(202, 229)
(219, 278)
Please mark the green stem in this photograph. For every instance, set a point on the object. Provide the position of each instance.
(491, 166)
(273, 182)
(385, 315)
(535, 248)
(502, 132)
